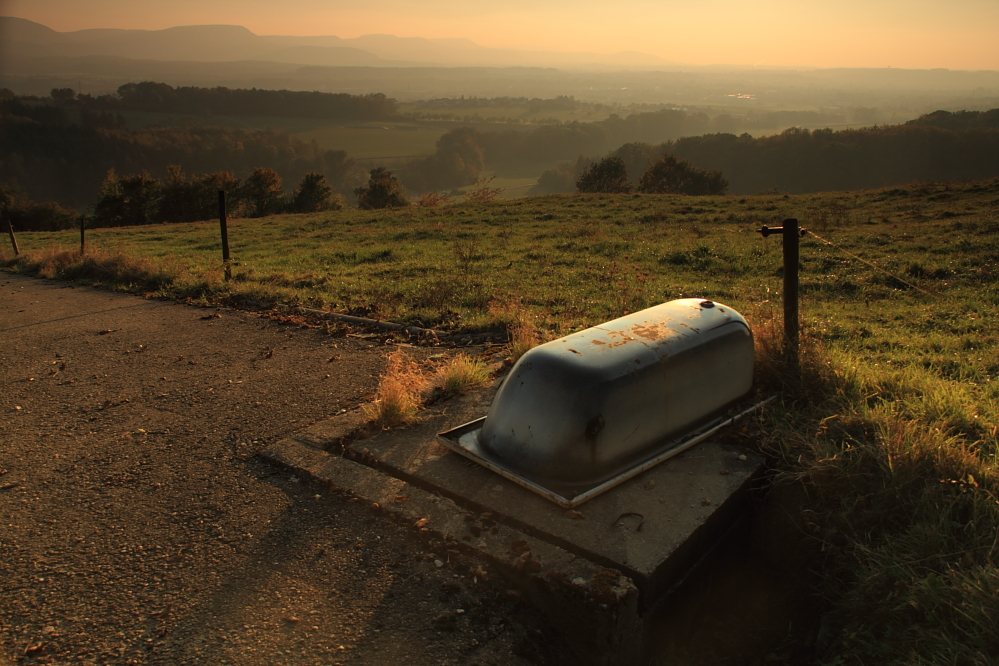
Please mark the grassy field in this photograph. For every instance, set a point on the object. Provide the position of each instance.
(587, 113)
(889, 432)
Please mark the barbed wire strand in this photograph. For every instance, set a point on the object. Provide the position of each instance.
(874, 266)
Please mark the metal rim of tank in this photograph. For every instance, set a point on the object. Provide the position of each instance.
(463, 441)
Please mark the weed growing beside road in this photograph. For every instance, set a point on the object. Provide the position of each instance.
(397, 400)
(890, 430)
(461, 374)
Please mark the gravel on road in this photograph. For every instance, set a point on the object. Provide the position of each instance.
(138, 525)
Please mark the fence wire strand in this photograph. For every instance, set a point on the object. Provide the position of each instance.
(874, 266)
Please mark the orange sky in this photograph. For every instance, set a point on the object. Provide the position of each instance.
(960, 34)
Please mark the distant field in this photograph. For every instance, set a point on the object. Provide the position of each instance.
(373, 140)
(361, 140)
(886, 442)
(586, 112)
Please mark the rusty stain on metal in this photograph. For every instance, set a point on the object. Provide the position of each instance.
(651, 331)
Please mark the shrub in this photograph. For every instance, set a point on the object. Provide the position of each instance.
(608, 175)
(27, 215)
(263, 192)
(433, 199)
(481, 192)
(314, 194)
(671, 175)
(382, 191)
(127, 201)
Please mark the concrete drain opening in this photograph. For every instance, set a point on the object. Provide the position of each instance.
(598, 485)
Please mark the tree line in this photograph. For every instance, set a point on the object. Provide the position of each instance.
(668, 175)
(463, 153)
(941, 146)
(154, 97)
(58, 152)
(139, 199)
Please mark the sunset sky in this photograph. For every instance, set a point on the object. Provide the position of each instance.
(960, 34)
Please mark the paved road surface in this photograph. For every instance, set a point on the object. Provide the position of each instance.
(137, 526)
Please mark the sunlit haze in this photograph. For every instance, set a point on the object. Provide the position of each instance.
(847, 33)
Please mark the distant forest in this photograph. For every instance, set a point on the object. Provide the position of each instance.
(162, 98)
(61, 147)
(940, 146)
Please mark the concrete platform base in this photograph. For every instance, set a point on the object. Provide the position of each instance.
(594, 571)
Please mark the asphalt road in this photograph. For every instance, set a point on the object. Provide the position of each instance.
(138, 526)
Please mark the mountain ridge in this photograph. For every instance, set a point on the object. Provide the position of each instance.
(226, 43)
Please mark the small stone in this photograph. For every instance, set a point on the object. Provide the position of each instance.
(438, 564)
(445, 621)
(742, 456)
(460, 611)
(580, 581)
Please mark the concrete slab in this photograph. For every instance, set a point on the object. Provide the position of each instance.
(596, 608)
(652, 528)
(594, 571)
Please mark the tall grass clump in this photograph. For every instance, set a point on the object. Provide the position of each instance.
(462, 374)
(99, 267)
(397, 400)
(900, 466)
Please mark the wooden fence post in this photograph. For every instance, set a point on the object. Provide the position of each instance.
(791, 233)
(13, 240)
(225, 236)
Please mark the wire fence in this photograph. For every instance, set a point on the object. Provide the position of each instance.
(872, 265)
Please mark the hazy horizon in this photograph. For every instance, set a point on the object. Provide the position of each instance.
(911, 34)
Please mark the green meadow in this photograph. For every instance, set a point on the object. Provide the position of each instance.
(889, 429)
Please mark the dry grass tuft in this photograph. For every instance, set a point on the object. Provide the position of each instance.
(433, 199)
(480, 192)
(462, 374)
(397, 400)
(519, 322)
(114, 269)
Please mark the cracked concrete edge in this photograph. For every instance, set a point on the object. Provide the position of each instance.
(595, 608)
(335, 432)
